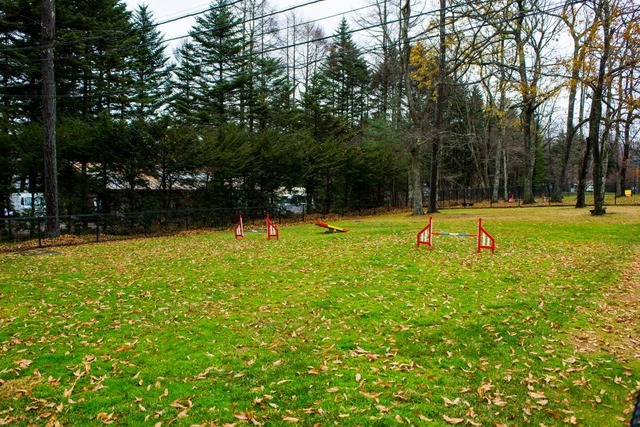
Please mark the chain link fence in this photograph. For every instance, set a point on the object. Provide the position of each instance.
(22, 233)
(513, 197)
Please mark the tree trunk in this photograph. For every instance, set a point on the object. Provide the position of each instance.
(49, 118)
(626, 151)
(416, 180)
(87, 206)
(403, 44)
(502, 134)
(495, 195)
(528, 91)
(529, 138)
(581, 191)
(626, 144)
(414, 144)
(384, 102)
(439, 113)
(595, 115)
(505, 171)
(495, 188)
(561, 179)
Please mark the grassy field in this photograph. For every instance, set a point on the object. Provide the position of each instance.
(360, 328)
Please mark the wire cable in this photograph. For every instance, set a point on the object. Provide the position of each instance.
(422, 37)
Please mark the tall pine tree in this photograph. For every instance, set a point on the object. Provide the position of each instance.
(95, 40)
(349, 74)
(149, 68)
(184, 84)
(218, 45)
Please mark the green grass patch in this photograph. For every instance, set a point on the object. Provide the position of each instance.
(357, 328)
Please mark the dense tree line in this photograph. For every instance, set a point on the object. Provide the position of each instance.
(255, 103)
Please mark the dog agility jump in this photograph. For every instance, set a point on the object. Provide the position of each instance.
(272, 230)
(239, 229)
(484, 239)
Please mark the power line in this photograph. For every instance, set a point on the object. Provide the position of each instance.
(124, 34)
(268, 15)
(120, 33)
(212, 8)
(324, 38)
(128, 48)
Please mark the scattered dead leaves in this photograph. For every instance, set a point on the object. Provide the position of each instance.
(18, 388)
(452, 420)
(105, 418)
(615, 320)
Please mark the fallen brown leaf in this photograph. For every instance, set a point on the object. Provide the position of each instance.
(451, 420)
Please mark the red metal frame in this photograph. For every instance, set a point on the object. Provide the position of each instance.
(426, 234)
(239, 228)
(485, 240)
(272, 230)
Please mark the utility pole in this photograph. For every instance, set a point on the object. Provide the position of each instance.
(49, 118)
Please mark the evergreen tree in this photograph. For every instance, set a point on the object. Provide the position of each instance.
(176, 156)
(270, 96)
(184, 84)
(218, 47)
(148, 68)
(7, 170)
(19, 79)
(349, 74)
(76, 152)
(325, 150)
(95, 41)
(20, 62)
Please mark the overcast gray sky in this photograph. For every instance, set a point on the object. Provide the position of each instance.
(167, 9)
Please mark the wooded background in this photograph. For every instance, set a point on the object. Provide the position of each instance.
(255, 102)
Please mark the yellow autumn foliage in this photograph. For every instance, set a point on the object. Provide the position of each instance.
(424, 67)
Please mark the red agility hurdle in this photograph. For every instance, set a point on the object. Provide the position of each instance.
(239, 228)
(484, 239)
(272, 230)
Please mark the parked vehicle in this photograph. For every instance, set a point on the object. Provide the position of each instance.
(25, 203)
(293, 203)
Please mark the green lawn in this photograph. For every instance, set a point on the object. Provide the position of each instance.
(359, 328)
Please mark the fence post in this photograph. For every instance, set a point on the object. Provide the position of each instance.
(97, 227)
(39, 233)
(144, 222)
(519, 197)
